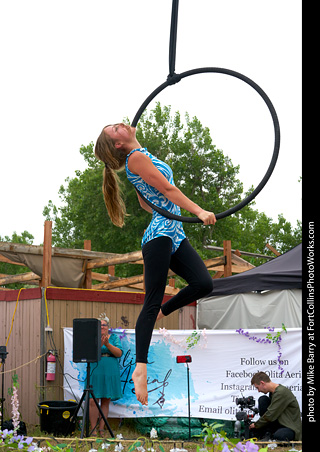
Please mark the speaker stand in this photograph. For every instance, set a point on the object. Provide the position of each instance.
(189, 423)
(85, 397)
(3, 355)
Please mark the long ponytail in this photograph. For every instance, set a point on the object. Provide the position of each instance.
(114, 160)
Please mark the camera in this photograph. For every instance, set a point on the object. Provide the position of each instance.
(246, 418)
(246, 402)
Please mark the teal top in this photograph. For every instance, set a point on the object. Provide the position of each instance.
(159, 226)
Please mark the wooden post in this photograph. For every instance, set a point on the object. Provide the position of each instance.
(88, 277)
(273, 249)
(227, 254)
(47, 253)
(111, 270)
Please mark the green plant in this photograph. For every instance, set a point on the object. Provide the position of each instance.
(218, 441)
(193, 339)
(10, 440)
(143, 444)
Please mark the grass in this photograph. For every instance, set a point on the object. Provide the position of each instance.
(129, 433)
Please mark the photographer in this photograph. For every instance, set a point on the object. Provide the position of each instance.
(280, 417)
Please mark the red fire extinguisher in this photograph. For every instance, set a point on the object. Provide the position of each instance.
(51, 366)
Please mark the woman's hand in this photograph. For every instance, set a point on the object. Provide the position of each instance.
(207, 217)
(116, 351)
(105, 339)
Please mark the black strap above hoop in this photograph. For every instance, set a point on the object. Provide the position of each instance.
(175, 78)
(173, 38)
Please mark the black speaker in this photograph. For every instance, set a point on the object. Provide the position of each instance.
(86, 340)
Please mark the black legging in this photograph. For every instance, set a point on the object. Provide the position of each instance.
(186, 263)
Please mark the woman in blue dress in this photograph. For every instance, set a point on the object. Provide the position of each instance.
(105, 377)
(164, 244)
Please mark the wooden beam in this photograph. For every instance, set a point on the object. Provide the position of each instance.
(273, 249)
(20, 248)
(244, 253)
(215, 262)
(122, 259)
(88, 276)
(236, 260)
(62, 252)
(20, 278)
(119, 283)
(219, 274)
(100, 276)
(47, 254)
(8, 261)
(234, 268)
(168, 290)
(227, 254)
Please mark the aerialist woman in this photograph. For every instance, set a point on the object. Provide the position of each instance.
(164, 243)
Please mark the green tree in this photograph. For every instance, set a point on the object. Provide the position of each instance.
(11, 269)
(203, 173)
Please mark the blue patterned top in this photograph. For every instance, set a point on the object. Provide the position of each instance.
(159, 226)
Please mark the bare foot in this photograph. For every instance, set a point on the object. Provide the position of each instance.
(139, 378)
(160, 315)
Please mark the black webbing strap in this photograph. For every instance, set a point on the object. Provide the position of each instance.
(173, 38)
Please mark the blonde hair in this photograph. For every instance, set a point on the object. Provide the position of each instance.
(114, 160)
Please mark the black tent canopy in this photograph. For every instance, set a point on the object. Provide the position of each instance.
(283, 272)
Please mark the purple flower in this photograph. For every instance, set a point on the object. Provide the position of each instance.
(251, 447)
(17, 437)
(6, 432)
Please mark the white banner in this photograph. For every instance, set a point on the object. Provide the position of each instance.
(223, 362)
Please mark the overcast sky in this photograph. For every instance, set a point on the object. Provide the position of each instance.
(70, 67)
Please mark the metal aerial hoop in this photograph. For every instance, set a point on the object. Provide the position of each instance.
(175, 78)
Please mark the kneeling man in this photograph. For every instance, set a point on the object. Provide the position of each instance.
(280, 417)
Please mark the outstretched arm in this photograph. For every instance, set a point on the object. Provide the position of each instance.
(142, 165)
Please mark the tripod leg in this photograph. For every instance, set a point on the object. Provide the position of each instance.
(74, 416)
(85, 419)
(101, 413)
